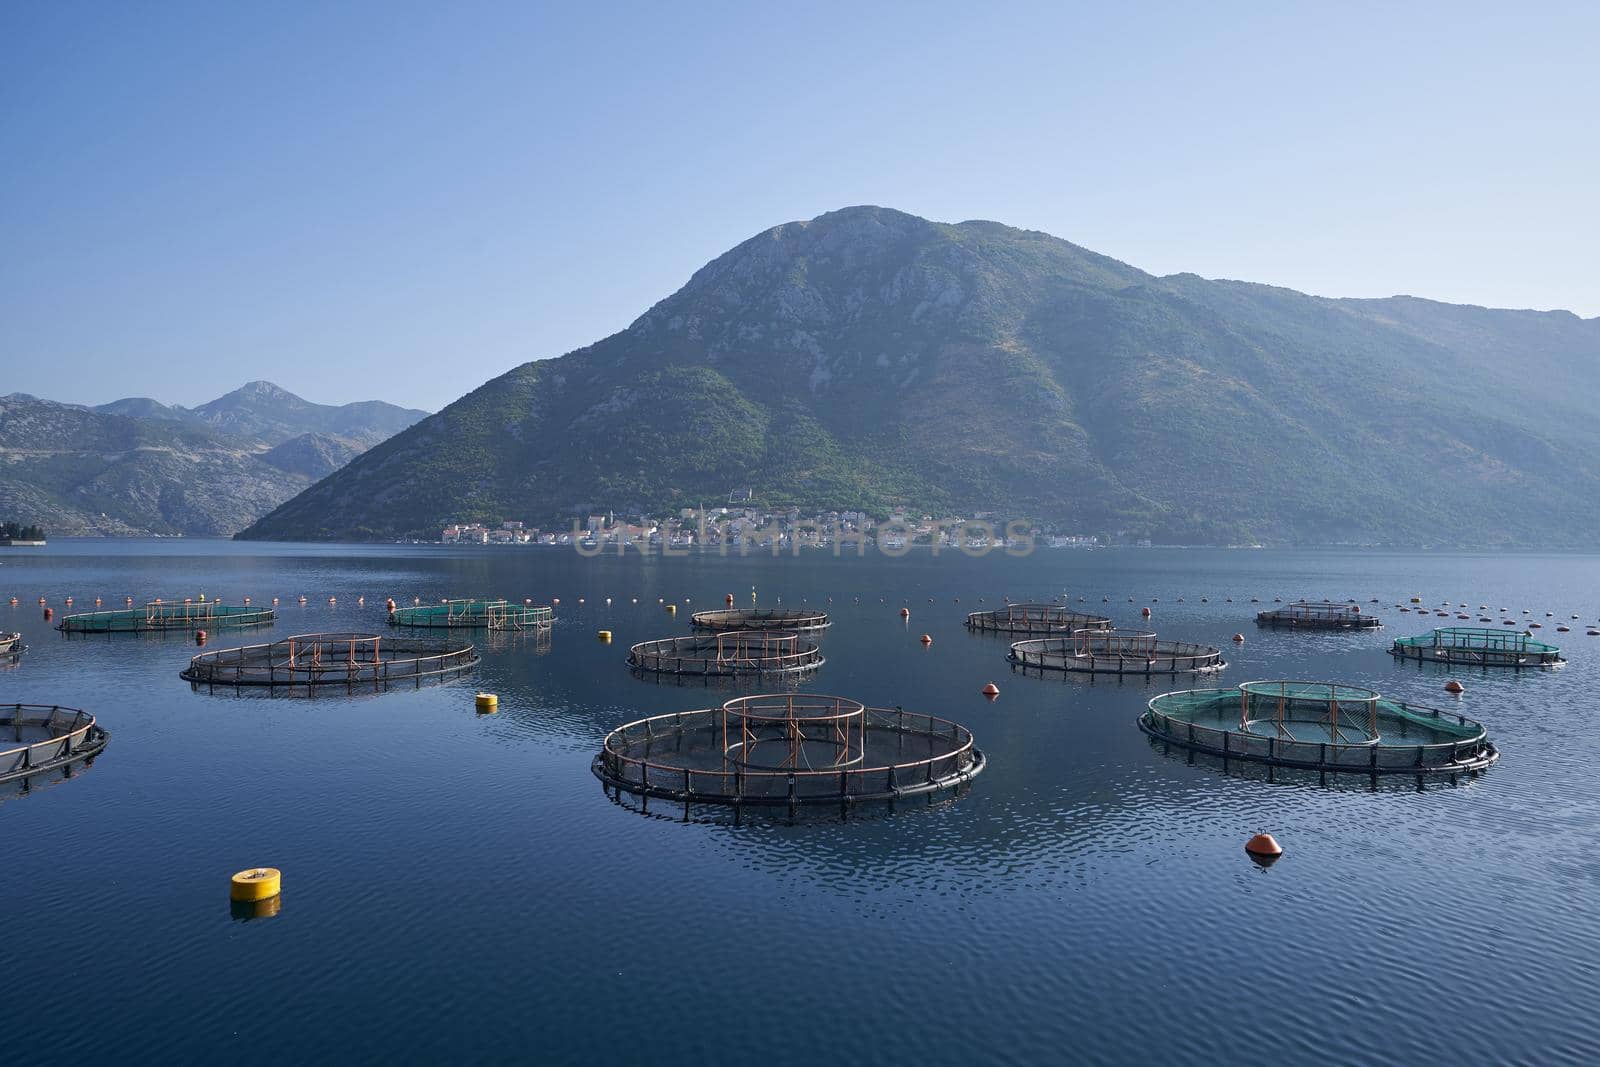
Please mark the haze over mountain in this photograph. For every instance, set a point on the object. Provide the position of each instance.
(139, 466)
(869, 358)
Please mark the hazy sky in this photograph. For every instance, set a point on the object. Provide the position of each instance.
(399, 201)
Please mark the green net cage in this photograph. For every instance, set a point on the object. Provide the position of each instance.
(1321, 726)
(473, 614)
(161, 615)
(1477, 647)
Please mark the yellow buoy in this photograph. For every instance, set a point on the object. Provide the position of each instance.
(672, 609)
(258, 883)
(487, 703)
(604, 635)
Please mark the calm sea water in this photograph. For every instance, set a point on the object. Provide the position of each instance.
(456, 886)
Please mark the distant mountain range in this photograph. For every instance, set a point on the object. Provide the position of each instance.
(869, 358)
(139, 466)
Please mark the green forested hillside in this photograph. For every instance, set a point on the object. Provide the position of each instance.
(869, 358)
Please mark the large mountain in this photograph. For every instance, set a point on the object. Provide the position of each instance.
(868, 358)
(140, 466)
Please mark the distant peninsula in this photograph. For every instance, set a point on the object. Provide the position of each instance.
(137, 466)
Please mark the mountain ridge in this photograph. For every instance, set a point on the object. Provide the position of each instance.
(137, 466)
(869, 358)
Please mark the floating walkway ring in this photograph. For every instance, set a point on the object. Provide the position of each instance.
(43, 737)
(794, 620)
(347, 659)
(1034, 619)
(1325, 615)
(730, 654)
(165, 616)
(1326, 727)
(473, 614)
(685, 757)
(1478, 647)
(1120, 652)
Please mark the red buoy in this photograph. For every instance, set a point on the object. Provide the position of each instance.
(1238, 639)
(1454, 687)
(1263, 845)
(1145, 612)
(926, 640)
(728, 599)
(199, 637)
(905, 613)
(991, 690)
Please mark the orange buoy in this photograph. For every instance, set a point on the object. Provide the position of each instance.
(905, 613)
(926, 640)
(48, 614)
(1238, 639)
(199, 637)
(728, 599)
(247, 600)
(42, 601)
(1454, 687)
(991, 690)
(1263, 845)
(389, 603)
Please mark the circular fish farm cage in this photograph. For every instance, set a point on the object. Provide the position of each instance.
(43, 737)
(500, 615)
(1305, 615)
(161, 616)
(1034, 619)
(793, 620)
(1473, 646)
(736, 654)
(1319, 726)
(787, 750)
(308, 661)
(1119, 652)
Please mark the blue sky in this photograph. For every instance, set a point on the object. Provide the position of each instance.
(401, 200)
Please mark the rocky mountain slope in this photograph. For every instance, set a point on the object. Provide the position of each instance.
(869, 358)
(139, 466)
